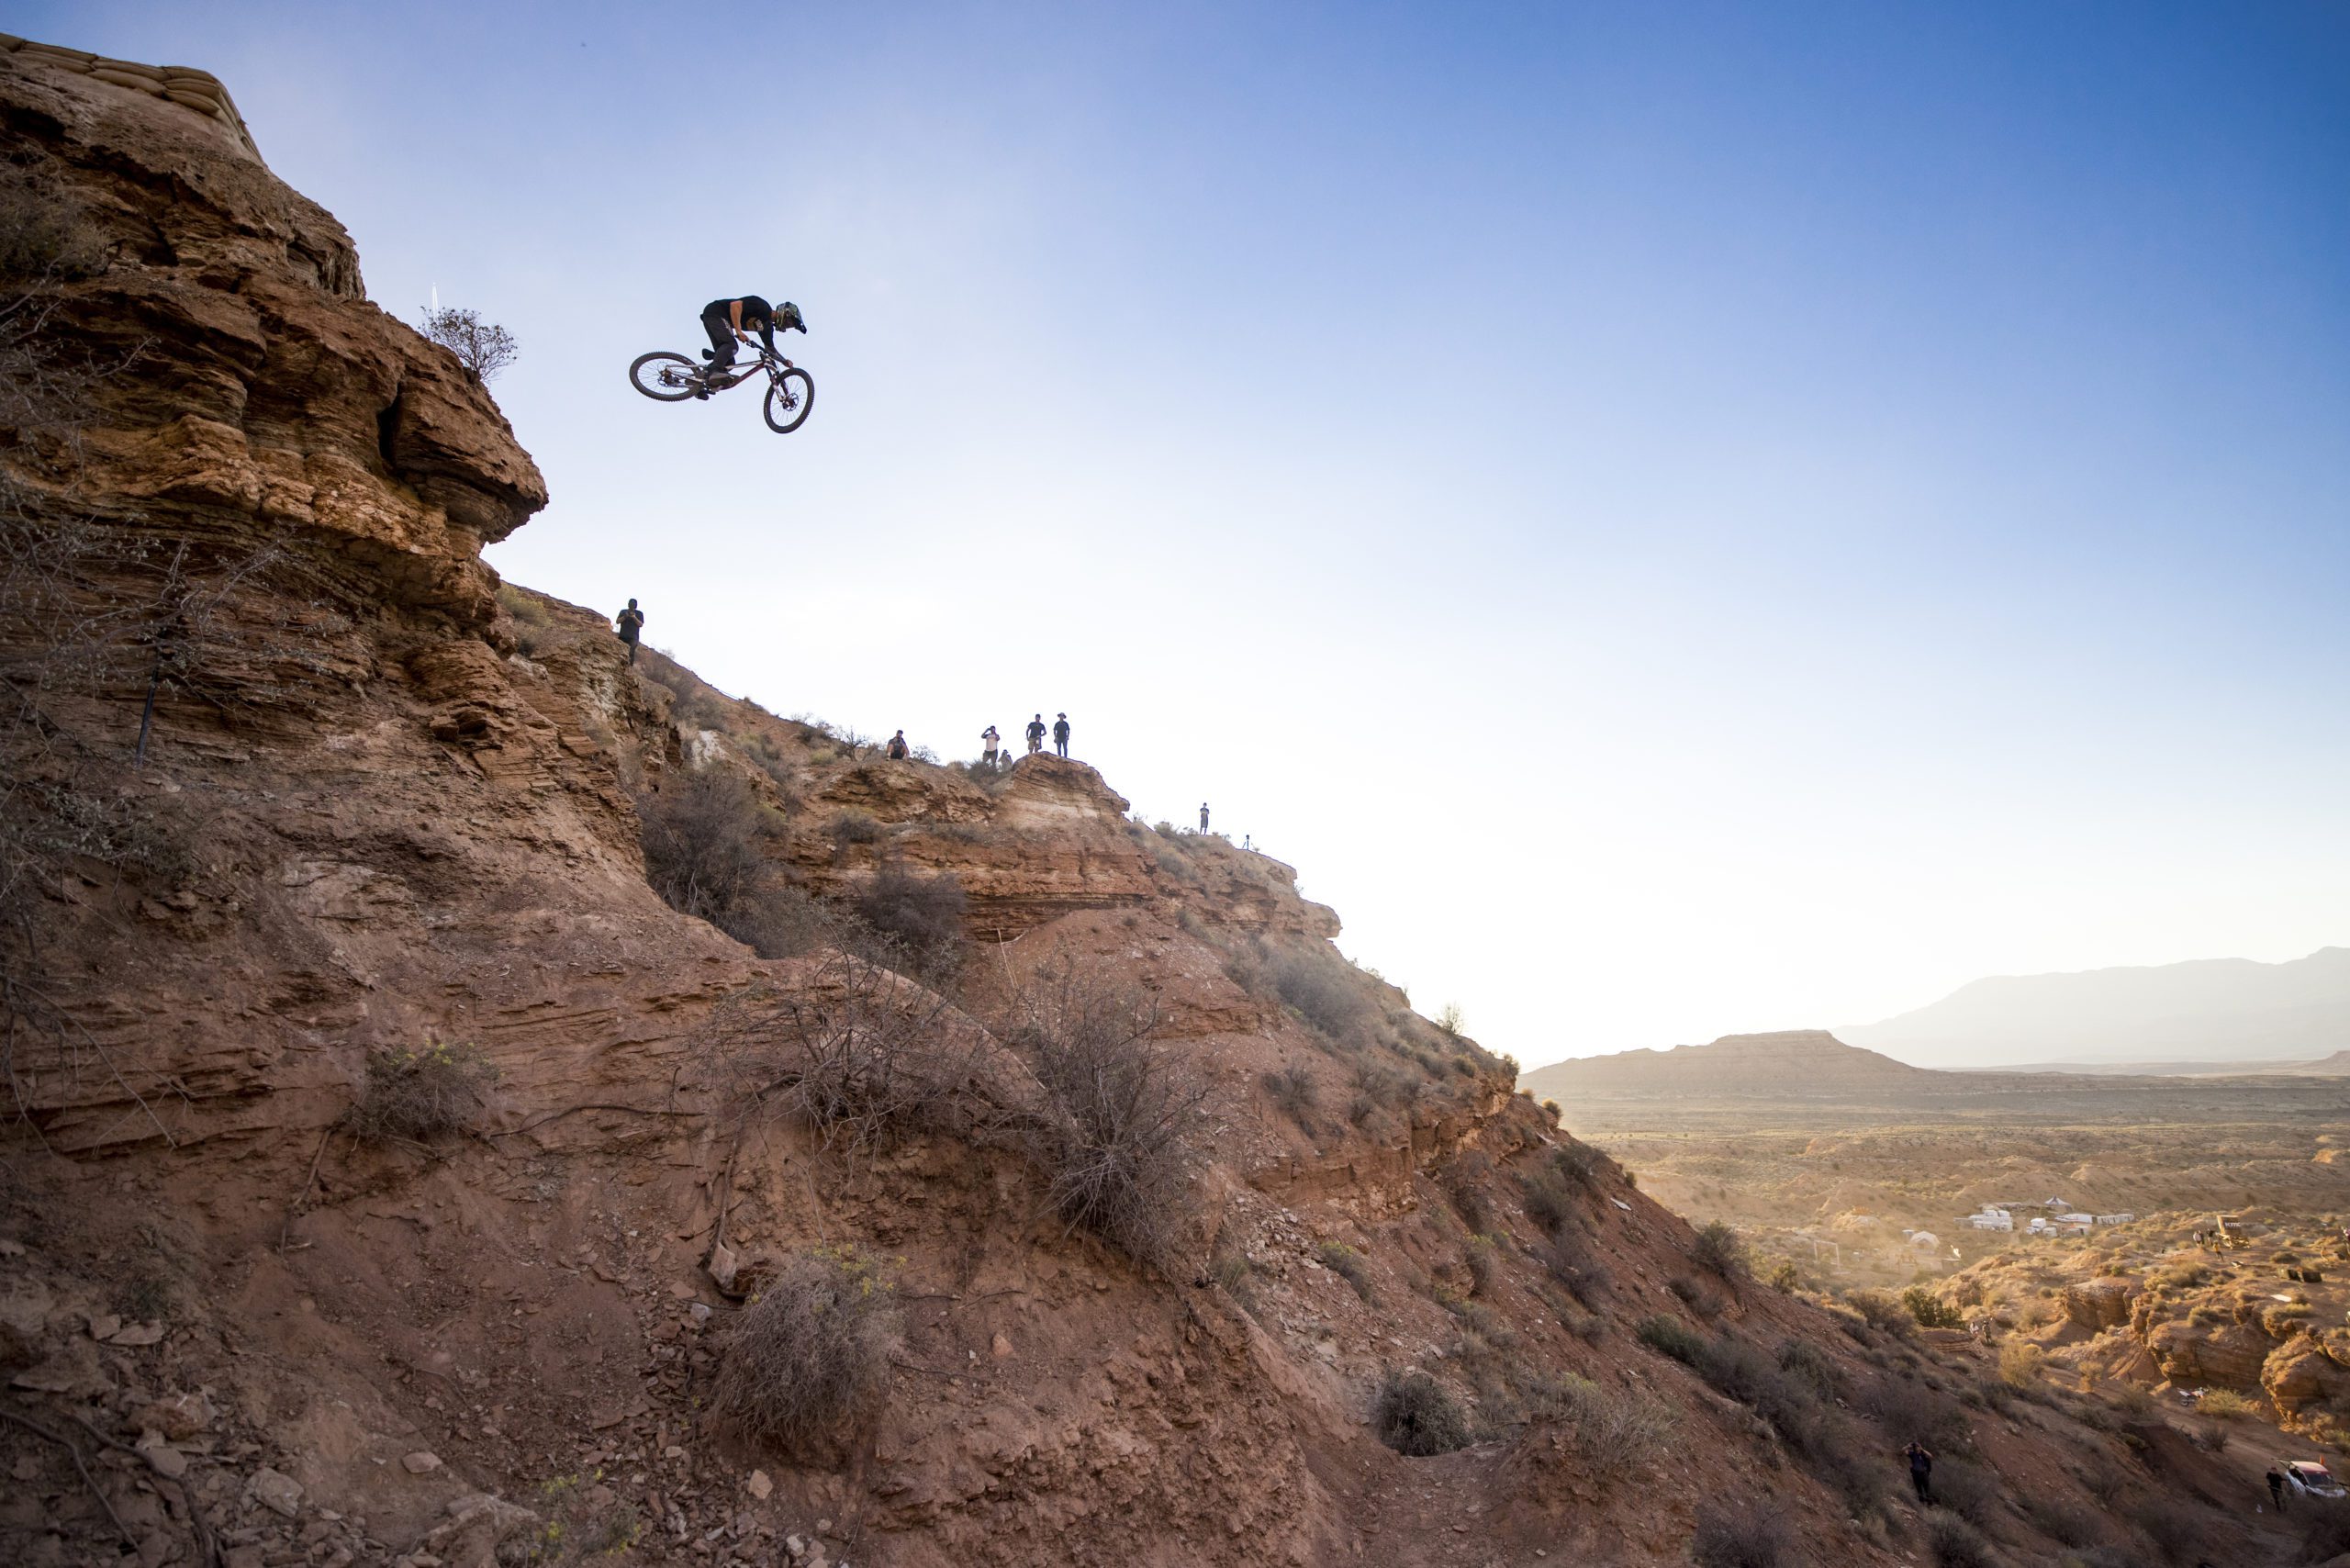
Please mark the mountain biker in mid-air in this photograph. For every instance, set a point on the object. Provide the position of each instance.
(724, 321)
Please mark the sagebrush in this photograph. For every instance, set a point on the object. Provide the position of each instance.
(1417, 1416)
(806, 1366)
(420, 1093)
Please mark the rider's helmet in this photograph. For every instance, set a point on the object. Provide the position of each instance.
(786, 316)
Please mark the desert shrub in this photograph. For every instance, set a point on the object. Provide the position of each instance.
(1474, 1315)
(1348, 1265)
(853, 827)
(1908, 1411)
(1417, 1416)
(1326, 991)
(1882, 1311)
(1697, 1296)
(920, 917)
(1549, 1204)
(1587, 1327)
(706, 840)
(1967, 1490)
(1485, 1265)
(2225, 1403)
(1464, 1188)
(860, 1056)
(1381, 1084)
(1113, 1146)
(807, 1365)
(1295, 1092)
(1785, 1277)
(415, 1094)
(1618, 1431)
(1670, 1337)
(2019, 1363)
(1579, 1163)
(1955, 1543)
(1552, 1110)
(1811, 1366)
(44, 239)
(1751, 1535)
(1717, 1250)
(483, 347)
(532, 623)
(1569, 1259)
(2285, 1319)
(1928, 1310)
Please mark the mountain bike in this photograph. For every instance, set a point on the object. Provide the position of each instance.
(673, 378)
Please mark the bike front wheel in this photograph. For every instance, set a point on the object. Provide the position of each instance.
(666, 377)
(790, 397)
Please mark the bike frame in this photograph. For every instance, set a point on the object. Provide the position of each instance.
(763, 358)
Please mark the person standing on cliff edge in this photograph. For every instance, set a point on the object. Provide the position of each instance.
(1036, 735)
(632, 623)
(1060, 735)
(989, 741)
(1203, 816)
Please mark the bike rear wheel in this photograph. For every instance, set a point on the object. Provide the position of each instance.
(666, 377)
(790, 397)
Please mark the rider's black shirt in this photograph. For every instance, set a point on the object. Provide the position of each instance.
(757, 315)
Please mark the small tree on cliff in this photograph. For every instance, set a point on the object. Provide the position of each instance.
(483, 348)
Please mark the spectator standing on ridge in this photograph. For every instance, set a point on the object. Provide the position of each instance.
(1922, 1471)
(898, 746)
(2275, 1489)
(1060, 735)
(1203, 816)
(989, 740)
(632, 622)
(1036, 735)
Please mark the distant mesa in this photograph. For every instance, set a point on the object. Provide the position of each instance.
(1790, 1064)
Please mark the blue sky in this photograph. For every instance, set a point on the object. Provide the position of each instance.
(1677, 519)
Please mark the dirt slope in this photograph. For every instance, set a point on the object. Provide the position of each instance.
(387, 813)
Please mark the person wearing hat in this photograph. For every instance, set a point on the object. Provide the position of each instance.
(1060, 735)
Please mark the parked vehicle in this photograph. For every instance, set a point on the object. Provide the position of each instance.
(2309, 1478)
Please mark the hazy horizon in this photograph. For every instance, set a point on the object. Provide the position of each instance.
(1679, 520)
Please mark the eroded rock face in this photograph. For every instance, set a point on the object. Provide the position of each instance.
(2097, 1304)
(2219, 1356)
(2304, 1373)
(260, 392)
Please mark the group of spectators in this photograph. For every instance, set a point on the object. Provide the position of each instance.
(991, 746)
